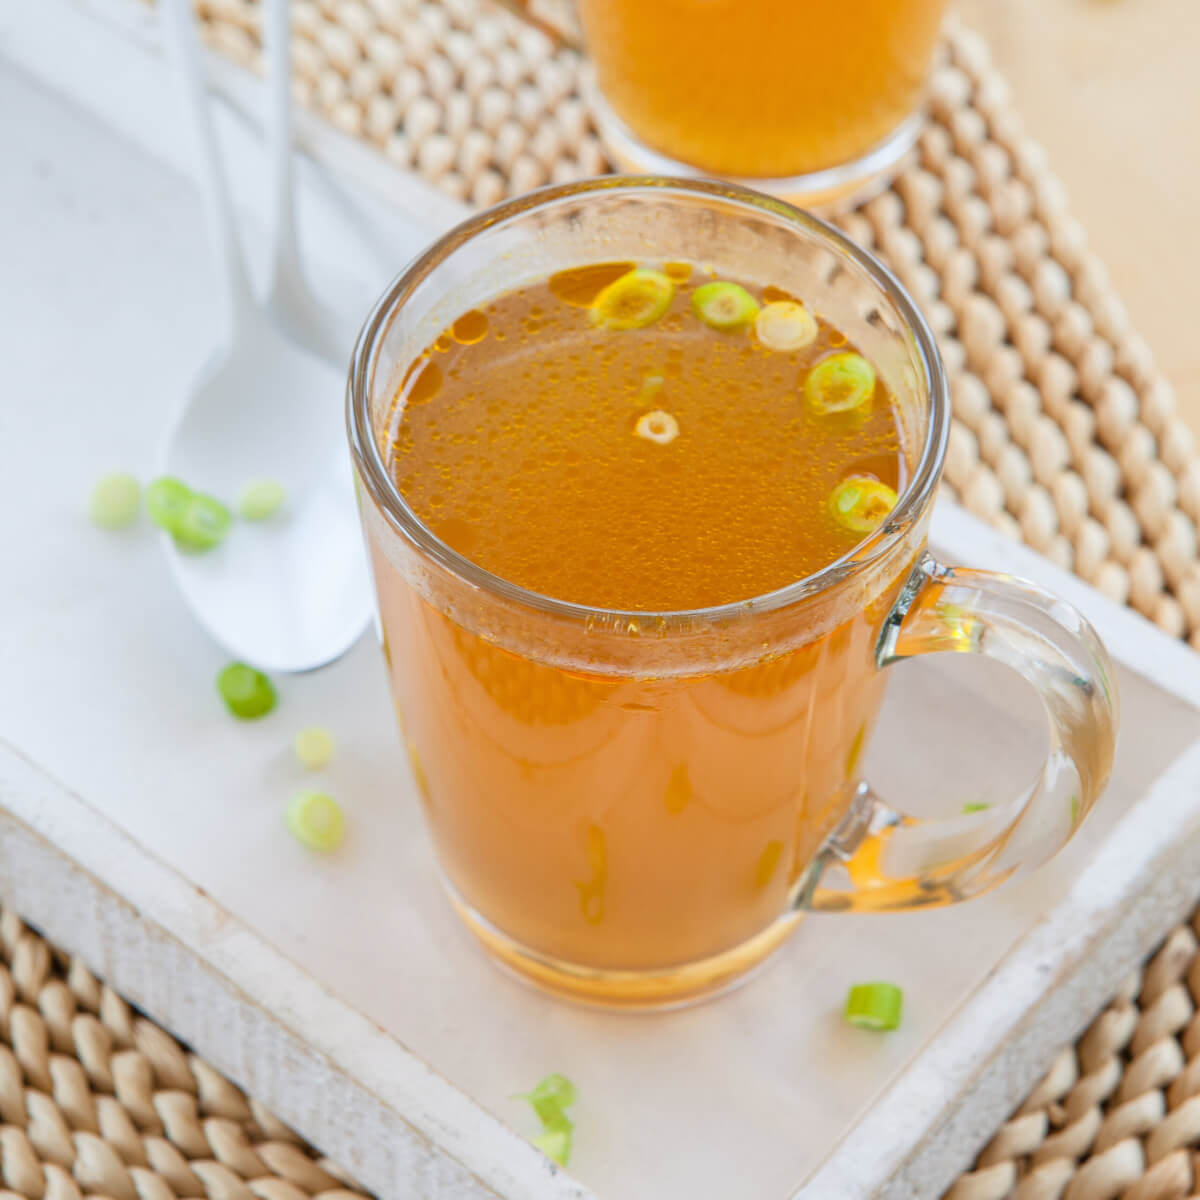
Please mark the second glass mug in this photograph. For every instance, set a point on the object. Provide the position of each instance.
(633, 808)
(808, 100)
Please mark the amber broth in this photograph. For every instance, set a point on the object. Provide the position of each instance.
(517, 447)
(597, 817)
(762, 87)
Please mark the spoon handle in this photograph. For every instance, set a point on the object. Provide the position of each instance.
(182, 47)
(286, 276)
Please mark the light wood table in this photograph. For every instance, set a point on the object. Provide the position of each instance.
(1112, 89)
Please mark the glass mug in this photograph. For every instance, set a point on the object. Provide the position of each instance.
(634, 808)
(806, 99)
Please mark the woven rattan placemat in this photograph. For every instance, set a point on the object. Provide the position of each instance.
(1065, 436)
(1118, 1114)
(96, 1101)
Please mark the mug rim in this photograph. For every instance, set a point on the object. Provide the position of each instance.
(377, 479)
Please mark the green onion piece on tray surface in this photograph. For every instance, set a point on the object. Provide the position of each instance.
(115, 502)
(247, 693)
(550, 1099)
(196, 521)
(315, 819)
(261, 499)
(555, 1144)
(166, 498)
(314, 747)
(203, 524)
(874, 1006)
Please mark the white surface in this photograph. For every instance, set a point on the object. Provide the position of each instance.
(405, 1132)
(106, 307)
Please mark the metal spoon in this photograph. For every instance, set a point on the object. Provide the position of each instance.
(292, 592)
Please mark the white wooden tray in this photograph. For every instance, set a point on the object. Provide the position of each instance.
(142, 829)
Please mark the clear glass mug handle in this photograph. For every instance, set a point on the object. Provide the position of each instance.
(878, 859)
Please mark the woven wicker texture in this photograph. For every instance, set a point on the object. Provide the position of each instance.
(1118, 1113)
(96, 1101)
(1065, 434)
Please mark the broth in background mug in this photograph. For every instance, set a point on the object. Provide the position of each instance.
(584, 424)
(809, 100)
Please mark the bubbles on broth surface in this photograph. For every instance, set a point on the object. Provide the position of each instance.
(514, 438)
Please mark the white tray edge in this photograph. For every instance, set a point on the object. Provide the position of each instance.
(928, 1127)
(321, 1066)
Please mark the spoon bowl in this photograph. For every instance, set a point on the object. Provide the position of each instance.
(291, 592)
(288, 593)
